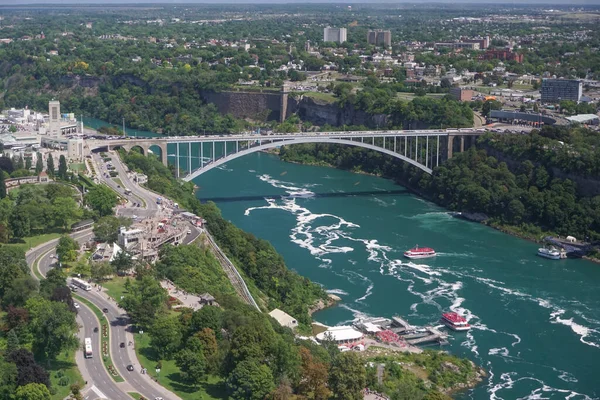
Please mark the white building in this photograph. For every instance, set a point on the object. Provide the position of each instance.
(283, 318)
(129, 237)
(338, 35)
(75, 149)
(340, 334)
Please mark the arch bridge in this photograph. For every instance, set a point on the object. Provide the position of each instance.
(195, 155)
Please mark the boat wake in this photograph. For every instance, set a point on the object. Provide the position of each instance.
(436, 289)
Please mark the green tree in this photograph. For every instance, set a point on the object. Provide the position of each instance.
(67, 248)
(65, 211)
(490, 105)
(39, 163)
(145, 299)
(250, 381)
(106, 229)
(165, 335)
(20, 224)
(101, 199)
(20, 290)
(28, 163)
(191, 361)
(18, 162)
(52, 326)
(101, 270)
(50, 165)
(347, 377)
(2, 185)
(62, 167)
(33, 391)
(8, 379)
(122, 261)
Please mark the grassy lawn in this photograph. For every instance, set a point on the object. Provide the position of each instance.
(118, 181)
(33, 241)
(170, 377)
(104, 339)
(79, 167)
(116, 287)
(328, 97)
(65, 369)
(135, 395)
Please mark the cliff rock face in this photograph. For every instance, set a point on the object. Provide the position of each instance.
(256, 105)
(252, 105)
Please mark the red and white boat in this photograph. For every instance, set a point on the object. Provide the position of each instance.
(420, 252)
(455, 322)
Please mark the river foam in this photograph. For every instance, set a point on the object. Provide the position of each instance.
(326, 234)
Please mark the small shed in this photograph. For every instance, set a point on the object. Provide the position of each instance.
(284, 318)
(571, 239)
(207, 299)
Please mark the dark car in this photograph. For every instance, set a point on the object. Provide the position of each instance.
(95, 329)
(122, 345)
(105, 309)
(130, 367)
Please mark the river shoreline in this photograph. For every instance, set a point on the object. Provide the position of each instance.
(501, 228)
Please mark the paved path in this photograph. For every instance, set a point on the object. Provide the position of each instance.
(188, 299)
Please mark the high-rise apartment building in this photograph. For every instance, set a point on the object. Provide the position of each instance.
(380, 38)
(54, 118)
(338, 35)
(556, 90)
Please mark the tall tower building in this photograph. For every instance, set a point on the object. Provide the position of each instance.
(338, 35)
(54, 118)
(380, 38)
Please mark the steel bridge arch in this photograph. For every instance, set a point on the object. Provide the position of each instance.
(241, 153)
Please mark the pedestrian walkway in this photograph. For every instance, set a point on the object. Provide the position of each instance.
(187, 299)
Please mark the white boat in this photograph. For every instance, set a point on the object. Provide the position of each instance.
(455, 322)
(550, 253)
(420, 252)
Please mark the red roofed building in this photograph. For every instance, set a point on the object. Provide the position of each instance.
(504, 55)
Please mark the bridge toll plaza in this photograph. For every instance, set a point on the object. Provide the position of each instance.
(195, 155)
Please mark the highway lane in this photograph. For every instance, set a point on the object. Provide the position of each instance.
(137, 195)
(93, 366)
(119, 328)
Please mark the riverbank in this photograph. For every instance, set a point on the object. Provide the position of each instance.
(525, 230)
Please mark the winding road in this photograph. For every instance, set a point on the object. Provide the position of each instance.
(97, 377)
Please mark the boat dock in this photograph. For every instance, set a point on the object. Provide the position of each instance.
(430, 334)
(400, 324)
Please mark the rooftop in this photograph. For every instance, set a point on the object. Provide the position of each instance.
(583, 118)
(340, 334)
(283, 318)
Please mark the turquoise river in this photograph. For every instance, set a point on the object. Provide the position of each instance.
(536, 322)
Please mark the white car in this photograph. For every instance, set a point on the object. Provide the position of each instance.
(76, 305)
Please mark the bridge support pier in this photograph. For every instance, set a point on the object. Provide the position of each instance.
(163, 153)
(450, 145)
(462, 144)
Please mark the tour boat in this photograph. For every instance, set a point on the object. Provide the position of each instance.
(455, 322)
(420, 252)
(550, 253)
